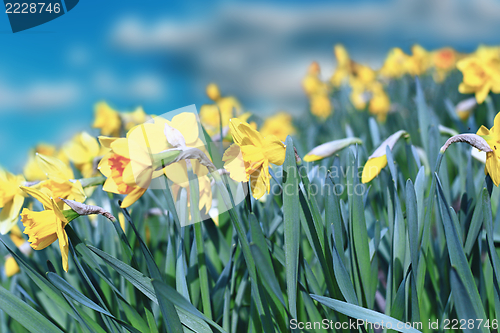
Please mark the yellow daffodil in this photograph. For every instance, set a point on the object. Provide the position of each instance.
(11, 266)
(311, 82)
(329, 148)
(60, 179)
(186, 128)
(128, 166)
(209, 113)
(378, 160)
(256, 152)
(380, 103)
(343, 69)
(443, 60)
(107, 119)
(205, 193)
(82, 150)
(11, 200)
(131, 119)
(32, 170)
(213, 92)
(396, 64)
(492, 137)
(321, 105)
(279, 125)
(481, 73)
(420, 60)
(45, 227)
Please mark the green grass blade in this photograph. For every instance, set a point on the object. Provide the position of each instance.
(457, 255)
(31, 319)
(363, 314)
(291, 224)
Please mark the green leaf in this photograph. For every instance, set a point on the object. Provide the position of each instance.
(457, 255)
(462, 303)
(145, 285)
(31, 319)
(291, 224)
(363, 314)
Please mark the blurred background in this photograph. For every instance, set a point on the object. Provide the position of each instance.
(162, 54)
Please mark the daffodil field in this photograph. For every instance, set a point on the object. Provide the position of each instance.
(376, 209)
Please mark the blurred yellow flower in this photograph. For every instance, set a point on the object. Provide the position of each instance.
(396, 64)
(213, 92)
(444, 60)
(43, 228)
(11, 266)
(209, 113)
(32, 170)
(82, 150)
(379, 102)
(279, 125)
(320, 105)
(343, 69)
(205, 193)
(311, 82)
(378, 160)
(107, 119)
(420, 60)
(60, 179)
(256, 152)
(11, 200)
(128, 166)
(481, 73)
(492, 137)
(130, 119)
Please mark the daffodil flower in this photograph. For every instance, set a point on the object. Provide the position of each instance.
(329, 148)
(83, 150)
(60, 179)
(481, 72)
(279, 125)
(107, 119)
(183, 132)
(128, 166)
(492, 137)
(396, 64)
(257, 152)
(47, 226)
(378, 160)
(224, 108)
(11, 200)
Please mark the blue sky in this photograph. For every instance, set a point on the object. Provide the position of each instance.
(162, 54)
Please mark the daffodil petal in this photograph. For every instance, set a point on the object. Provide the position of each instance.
(373, 167)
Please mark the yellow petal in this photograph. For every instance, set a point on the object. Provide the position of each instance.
(10, 214)
(373, 167)
(234, 163)
(274, 150)
(11, 267)
(54, 168)
(187, 124)
(133, 197)
(38, 195)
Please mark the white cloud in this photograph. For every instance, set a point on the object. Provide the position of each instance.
(143, 86)
(38, 96)
(262, 51)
